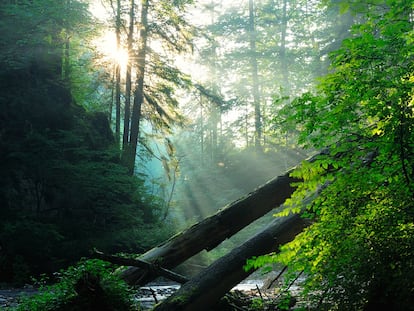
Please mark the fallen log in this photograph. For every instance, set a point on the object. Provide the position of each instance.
(149, 267)
(211, 231)
(204, 290)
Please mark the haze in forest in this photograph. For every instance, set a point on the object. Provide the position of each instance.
(220, 109)
(123, 122)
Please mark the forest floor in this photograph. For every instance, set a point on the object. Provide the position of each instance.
(242, 297)
(146, 295)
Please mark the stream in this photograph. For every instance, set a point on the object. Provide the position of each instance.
(154, 293)
(147, 295)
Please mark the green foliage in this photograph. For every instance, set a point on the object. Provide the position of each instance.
(65, 192)
(63, 189)
(256, 304)
(42, 25)
(107, 291)
(358, 253)
(285, 301)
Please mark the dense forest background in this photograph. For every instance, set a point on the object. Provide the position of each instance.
(122, 122)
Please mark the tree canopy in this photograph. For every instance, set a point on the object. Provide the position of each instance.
(358, 253)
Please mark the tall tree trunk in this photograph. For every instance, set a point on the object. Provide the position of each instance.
(210, 232)
(283, 57)
(214, 121)
(204, 290)
(215, 110)
(128, 78)
(118, 74)
(255, 78)
(246, 125)
(130, 152)
(111, 102)
(202, 130)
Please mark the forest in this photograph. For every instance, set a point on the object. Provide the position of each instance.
(201, 141)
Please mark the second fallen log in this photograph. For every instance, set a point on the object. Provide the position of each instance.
(204, 290)
(210, 232)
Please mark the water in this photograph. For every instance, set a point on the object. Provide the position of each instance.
(149, 295)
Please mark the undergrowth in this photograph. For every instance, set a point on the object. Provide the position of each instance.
(89, 285)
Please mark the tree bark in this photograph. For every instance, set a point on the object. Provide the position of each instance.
(118, 74)
(128, 78)
(283, 56)
(204, 291)
(129, 153)
(255, 78)
(210, 232)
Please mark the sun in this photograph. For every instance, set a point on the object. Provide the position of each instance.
(106, 44)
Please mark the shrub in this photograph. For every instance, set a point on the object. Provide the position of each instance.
(89, 285)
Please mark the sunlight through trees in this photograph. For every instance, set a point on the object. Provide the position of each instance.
(123, 121)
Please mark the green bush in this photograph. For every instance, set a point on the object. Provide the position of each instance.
(89, 285)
